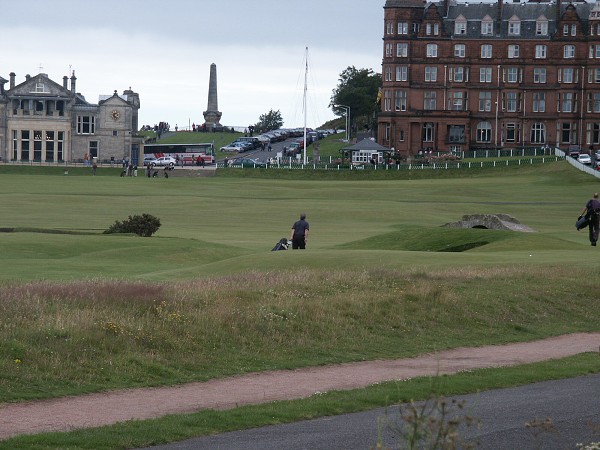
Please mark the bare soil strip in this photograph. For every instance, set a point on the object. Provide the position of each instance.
(69, 413)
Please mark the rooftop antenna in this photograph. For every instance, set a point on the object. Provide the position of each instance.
(41, 68)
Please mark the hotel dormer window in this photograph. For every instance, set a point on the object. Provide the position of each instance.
(487, 26)
(460, 25)
(541, 26)
(514, 26)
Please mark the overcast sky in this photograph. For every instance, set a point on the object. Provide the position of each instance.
(163, 51)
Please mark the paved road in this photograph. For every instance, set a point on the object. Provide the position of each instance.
(258, 154)
(572, 404)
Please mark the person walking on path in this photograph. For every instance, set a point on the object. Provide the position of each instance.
(592, 212)
(300, 233)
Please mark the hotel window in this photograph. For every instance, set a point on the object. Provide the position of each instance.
(456, 134)
(388, 73)
(539, 75)
(593, 133)
(389, 50)
(569, 51)
(402, 50)
(594, 51)
(458, 74)
(460, 26)
(432, 28)
(514, 27)
(457, 101)
(541, 28)
(432, 50)
(512, 134)
(567, 102)
(511, 102)
(430, 73)
(402, 28)
(401, 100)
(86, 124)
(416, 27)
(487, 27)
(484, 132)
(513, 51)
(429, 101)
(539, 102)
(459, 50)
(594, 75)
(485, 101)
(389, 28)
(538, 133)
(573, 30)
(485, 74)
(593, 102)
(427, 135)
(401, 73)
(565, 30)
(486, 51)
(540, 51)
(512, 74)
(567, 132)
(565, 75)
(387, 100)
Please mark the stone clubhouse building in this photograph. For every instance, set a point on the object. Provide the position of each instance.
(460, 76)
(47, 122)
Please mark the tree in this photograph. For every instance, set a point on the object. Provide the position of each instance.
(358, 89)
(269, 121)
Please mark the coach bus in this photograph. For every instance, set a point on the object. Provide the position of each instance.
(187, 154)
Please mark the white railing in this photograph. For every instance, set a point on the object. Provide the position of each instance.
(573, 161)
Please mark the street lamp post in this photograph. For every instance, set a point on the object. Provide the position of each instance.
(347, 110)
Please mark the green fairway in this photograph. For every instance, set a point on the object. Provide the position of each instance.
(219, 225)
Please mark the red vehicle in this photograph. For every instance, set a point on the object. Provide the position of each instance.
(184, 154)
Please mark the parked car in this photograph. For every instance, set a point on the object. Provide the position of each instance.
(293, 149)
(234, 147)
(247, 162)
(168, 161)
(584, 158)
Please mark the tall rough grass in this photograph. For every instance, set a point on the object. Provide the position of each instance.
(63, 338)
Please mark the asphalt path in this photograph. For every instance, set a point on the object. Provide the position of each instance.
(261, 155)
(572, 405)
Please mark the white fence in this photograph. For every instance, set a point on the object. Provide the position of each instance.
(573, 161)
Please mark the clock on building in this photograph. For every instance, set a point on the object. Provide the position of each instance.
(115, 114)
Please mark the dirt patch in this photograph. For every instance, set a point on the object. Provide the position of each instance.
(107, 408)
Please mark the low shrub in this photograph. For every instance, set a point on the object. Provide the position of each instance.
(145, 225)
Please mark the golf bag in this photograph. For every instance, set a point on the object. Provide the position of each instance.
(582, 222)
(281, 245)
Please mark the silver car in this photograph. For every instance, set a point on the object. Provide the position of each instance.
(168, 161)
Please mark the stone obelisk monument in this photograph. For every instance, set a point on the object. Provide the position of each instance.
(212, 115)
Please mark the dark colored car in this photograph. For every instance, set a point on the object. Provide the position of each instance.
(247, 162)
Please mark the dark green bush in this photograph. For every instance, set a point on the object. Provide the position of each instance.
(145, 225)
